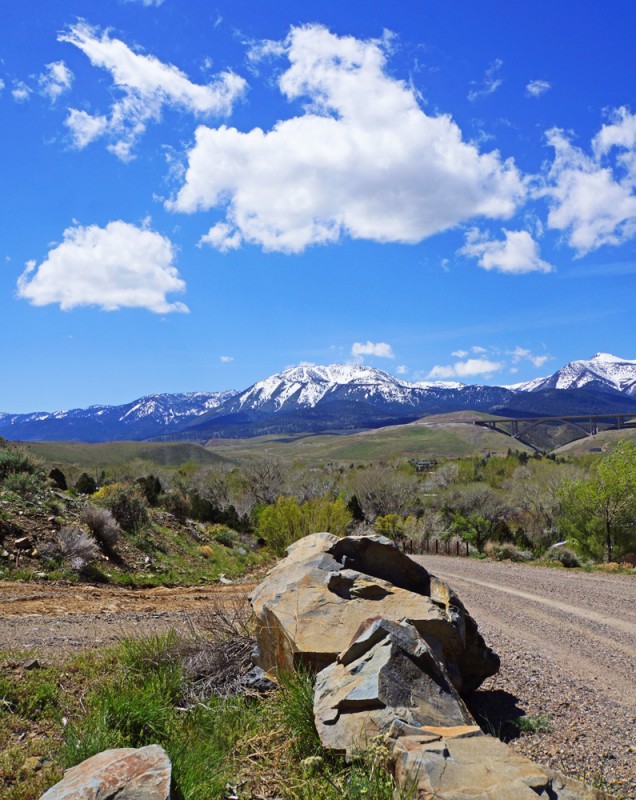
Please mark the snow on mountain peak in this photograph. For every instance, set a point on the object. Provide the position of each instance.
(608, 358)
(307, 384)
(603, 370)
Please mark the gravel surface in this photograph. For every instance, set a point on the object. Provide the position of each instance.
(567, 642)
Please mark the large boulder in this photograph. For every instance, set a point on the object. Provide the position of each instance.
(312, 604)
(388, 677)
(122, 774)
(483, 768)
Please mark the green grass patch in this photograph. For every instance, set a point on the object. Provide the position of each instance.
(133, 694)
(538, 723)
(105, 454)
(442, 436)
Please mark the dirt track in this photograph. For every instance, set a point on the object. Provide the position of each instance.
(54, 619)
(568, 647)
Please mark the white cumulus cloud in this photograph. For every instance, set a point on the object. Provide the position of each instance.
(226, 359)
(377, 349)
(592, 196)
(56, 80)
(465, 369)
(517, 253)
(146, 85)
(538, 87)
(119, 266)
(363, 160)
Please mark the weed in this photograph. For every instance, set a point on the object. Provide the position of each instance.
(539, 723)
(102, 525)
(297, 710)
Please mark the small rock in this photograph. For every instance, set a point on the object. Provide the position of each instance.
(24, 543)
(257, 680)
(33, 664)
(124, 773)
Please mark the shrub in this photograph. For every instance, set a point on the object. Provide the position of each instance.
(564, 556)
(224, 536)
(85, 484)
(355, 509)
(391, 525)
(58, 478)
(288, 520)
(102, 525)
(507, 552)
(14, 460)
(126, 503)
(176, 504)
(26, 484)
(150, 486)
(74, 547)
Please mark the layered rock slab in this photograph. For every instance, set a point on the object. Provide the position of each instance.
(388, 677)
(125, 773)
(482, 768)
(313, 603)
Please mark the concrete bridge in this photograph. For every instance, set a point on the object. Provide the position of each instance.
(584, 424)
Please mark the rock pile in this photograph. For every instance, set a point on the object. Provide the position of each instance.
(394, 650)
(314, 603)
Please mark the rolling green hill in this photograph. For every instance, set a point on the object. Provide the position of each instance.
(441, 436)
(605, 440)
(90, 456)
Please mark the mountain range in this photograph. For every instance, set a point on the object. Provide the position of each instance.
(335, 398)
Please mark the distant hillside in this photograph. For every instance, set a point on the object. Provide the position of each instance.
(443, 436)
(168, 454)
(605, 441)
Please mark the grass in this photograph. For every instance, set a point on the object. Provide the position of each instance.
(539, 723)
(52, 717)
(106, 454)
(440, 436)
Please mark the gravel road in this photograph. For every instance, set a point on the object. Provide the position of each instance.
(567, 641)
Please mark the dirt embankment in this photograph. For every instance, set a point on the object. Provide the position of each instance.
(567, 641)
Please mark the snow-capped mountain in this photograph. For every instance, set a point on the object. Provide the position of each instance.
(146, 417)
(602, 372)
(308, 385)
(336, 398)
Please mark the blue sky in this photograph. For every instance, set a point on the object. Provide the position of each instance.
(197, 195)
